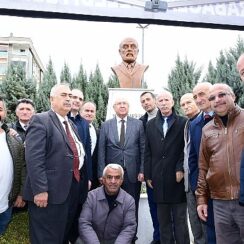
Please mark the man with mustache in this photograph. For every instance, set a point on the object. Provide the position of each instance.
(56, 169)
(129, 72)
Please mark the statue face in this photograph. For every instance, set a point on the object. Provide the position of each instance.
(128, 50)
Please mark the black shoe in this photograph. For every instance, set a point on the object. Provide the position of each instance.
(155, 242)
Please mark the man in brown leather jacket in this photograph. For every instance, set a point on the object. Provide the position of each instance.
(219, 166)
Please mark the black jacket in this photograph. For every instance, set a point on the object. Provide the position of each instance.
(164, 157)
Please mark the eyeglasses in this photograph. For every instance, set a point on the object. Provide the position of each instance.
(220, 95)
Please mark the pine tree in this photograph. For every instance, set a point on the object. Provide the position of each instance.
(226, 72)
(211, 75)
(15, 86)
(98, 93)
(65, 76)
(49, 80)
(80, 81)
(182, 79)
(113, 82)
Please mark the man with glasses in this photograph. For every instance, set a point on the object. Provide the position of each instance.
(129, 72)
(108, 215)
(24, 111)
(82, 125)
(219, 166)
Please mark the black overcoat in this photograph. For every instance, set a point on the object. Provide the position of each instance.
(164, 157)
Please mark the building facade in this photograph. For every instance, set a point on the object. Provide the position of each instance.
(20, 51)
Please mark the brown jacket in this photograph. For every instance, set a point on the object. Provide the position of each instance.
(219, 160)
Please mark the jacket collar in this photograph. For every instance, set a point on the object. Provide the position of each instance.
(232, 113)
(101, 195)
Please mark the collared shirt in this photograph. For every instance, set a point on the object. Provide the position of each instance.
(129, 66)
(118, 119)
(79, 145)
(93, 136)
(24, 126)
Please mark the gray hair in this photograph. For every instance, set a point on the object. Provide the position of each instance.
(114, 166)
(54, 89)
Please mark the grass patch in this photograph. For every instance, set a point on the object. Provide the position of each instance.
(18, 231)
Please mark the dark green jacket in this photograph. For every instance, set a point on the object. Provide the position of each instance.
(16, 149)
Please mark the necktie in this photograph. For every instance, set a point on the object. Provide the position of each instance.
(122, 133)
(207, 118)
(25, 127)
(165, 126)
(75, 152)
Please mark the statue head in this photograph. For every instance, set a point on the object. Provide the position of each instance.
(128, 50)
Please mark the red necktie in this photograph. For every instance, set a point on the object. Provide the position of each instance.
(75, 152)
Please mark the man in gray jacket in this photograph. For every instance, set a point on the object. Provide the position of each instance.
(108, 215)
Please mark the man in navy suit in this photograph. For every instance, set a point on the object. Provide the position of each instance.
(129, 153)
(88, 112)
(200, 94)
(82, 125)
(56, 168)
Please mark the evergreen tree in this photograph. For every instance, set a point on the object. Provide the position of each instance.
(65, 74)
(182, 79)
(226, 72)
(49, 80)
(113, 82)
(98, 93)
(80, 81)
(211, 75)
(15, 86)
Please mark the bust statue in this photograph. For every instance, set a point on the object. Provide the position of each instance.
(129, 72)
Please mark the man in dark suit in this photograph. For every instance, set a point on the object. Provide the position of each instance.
(88, 112)
(122, 141)
(164, 170)
(56, 166)
(84, 134)
(148, 102)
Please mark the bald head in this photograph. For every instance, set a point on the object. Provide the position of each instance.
(128, 50)
(240, 66)
(222, 99)
(201, 94)
(188, 105)
(121, 107)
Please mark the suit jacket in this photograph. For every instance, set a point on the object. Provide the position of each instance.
(95, 182)
(164, 157)
(195, 139)
(84, 134)
(49, 159)
(130, 156)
